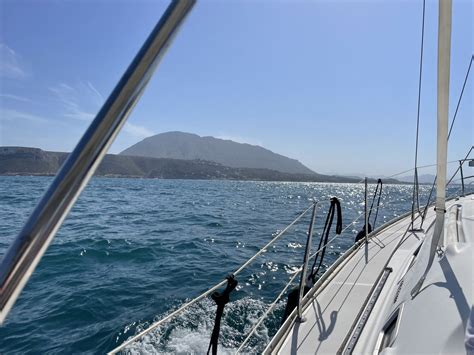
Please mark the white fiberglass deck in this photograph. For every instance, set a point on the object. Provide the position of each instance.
(336, 305)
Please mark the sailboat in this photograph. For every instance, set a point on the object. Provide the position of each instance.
(410, 294)
(404, 287)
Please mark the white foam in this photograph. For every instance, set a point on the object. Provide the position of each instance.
(190, 333)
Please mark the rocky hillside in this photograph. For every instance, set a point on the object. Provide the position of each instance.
(34, 161)
(187, 146)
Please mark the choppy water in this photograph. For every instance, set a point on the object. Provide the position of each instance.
(133, 249)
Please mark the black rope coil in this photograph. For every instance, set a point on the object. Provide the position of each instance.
(293, 295)
(221, 299)
(371, 227)
(334, 208)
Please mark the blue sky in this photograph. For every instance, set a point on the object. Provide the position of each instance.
(330, 83)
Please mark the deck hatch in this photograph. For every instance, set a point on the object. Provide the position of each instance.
(389, 332)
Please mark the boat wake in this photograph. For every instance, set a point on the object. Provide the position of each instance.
(190, 333)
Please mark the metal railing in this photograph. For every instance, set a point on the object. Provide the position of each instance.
(220, 284)
(460, 167)
(425, 209)
(27, 249)
(25, 252)
(307, 251)
(464, 178)
(302, 272)
(366, 213)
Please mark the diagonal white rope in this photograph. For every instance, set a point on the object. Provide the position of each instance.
(264, 249)
(212, 289)
(242, 267)
(290, 281)
(223, 282)
(269, 309)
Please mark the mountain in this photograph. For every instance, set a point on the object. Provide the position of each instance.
(34, 161)
(188, 146)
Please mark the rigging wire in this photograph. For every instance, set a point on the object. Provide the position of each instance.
(290, 282)
(209, 291)
(265, 314)
(411, 169)
(379, 184)
(416, 195)
(449, 135)
(460, 97)
(459, 167)
(223, 282)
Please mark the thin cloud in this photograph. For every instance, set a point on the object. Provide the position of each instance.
(137, 131)
(78, 103)
(99, 97)
(14, 115)
(66, 87)
(10, 63)
(80, 115)
(83, 100)
(15, 97)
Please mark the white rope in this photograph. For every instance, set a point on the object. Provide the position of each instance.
(242, 267)
(223, 282)
(264, 249)
(269, 309)
(212, 289)
(273, 304)
(168, 317)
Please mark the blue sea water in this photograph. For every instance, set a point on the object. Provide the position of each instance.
(131, 250)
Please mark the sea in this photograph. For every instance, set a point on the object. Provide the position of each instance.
(133, 250)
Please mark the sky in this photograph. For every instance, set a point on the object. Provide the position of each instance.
(333, 84)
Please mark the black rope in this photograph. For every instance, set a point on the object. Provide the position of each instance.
(293, 295)
(377, 193)
(335, 207)
(221, 299)
(379, 184)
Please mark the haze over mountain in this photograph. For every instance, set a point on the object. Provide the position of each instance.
(188, 146)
